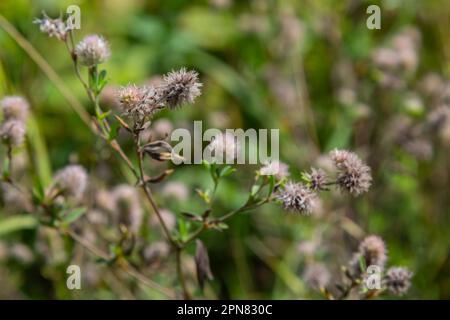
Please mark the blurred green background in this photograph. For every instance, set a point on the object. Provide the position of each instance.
(304, 67)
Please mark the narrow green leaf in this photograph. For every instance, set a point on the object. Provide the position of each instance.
(17, 223)
(74, 215)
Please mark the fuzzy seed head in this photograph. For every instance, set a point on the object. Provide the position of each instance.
(92, 50)
(180, 87)
(398, 280)
(296, 197)
(72, 180)
(14, 108)
(12, 132)
(354, 176)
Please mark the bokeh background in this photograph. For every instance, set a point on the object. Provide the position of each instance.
(311, 69)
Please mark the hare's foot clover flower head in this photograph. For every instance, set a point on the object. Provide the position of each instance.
(71, 181)
(317, 179)
(180, 87)
(373, 252)
(12, 132)
(296, 197)
(398, 280)
(52, 27)
(354, 176)
(14, 108)
(92, 50)
(139, 102)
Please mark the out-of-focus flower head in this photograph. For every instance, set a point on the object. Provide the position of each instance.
(372, 251)
(275, 168)
(316, 275)
(225, 146)
(14, 108)
(92, 50)
(71, 180)
(12, 132)
(127, 206)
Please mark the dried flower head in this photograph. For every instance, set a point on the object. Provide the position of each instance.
(316, 275)
(52, 27)
(12, 132)
(14, 108)
(296, 197)
(275, 168)
(71, 180)
(180, 87)
(317, 179)
(225, 148)
(398, 280)
(139, 102)
(354, 176)
(92, 50)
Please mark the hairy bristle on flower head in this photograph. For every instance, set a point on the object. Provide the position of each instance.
(71, 180)
(12, 132)
(398, 280)
(354, 176)
(180, 87)
(52, 27)
(296, 197)
(14, 108)
(92, 50)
